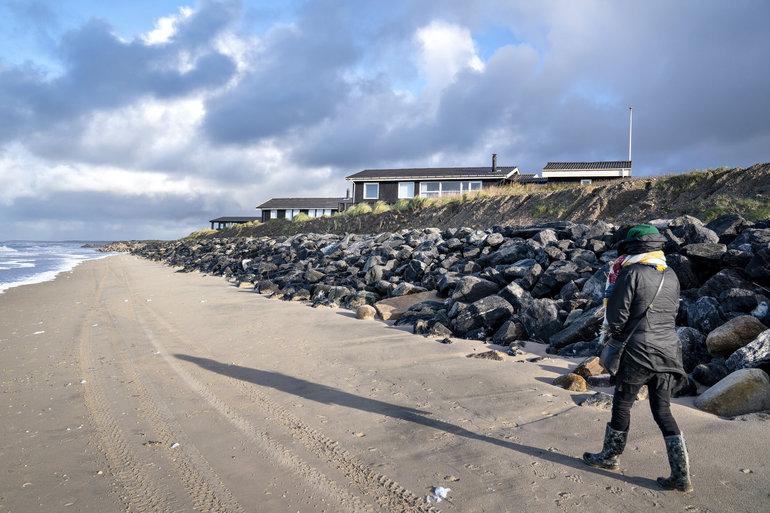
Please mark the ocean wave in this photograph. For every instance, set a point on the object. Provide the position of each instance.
(16, 264)
(6, 249)
(64, 265)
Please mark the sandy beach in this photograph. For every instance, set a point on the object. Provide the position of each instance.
(127, 386)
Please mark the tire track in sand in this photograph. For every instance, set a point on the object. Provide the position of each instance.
(267, 446)
(199, 479)
(139, 493)
(388, 493)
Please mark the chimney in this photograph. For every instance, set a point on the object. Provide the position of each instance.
(494, 162)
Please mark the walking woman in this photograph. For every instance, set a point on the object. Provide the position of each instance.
(642, 299)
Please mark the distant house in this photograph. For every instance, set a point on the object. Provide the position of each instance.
(586, 172)
(227, 222)
(391, 185)
(287, 208)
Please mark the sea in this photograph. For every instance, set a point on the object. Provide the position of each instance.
(25, 262)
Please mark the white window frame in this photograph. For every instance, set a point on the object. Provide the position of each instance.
(409, 186)
(465, 186)
(273, 213)
(586, 181)
(376, 184)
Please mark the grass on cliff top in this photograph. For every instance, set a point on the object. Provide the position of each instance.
(203, 232)
(749, 208)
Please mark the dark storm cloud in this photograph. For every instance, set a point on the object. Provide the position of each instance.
(102, 72)
(562, 94)
(297, 80)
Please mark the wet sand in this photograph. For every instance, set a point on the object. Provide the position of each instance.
(127, 386)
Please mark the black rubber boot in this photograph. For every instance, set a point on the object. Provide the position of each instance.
(614, 443)
(680, 465)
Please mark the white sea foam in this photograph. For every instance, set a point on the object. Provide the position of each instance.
(66, 265)
(6, 249)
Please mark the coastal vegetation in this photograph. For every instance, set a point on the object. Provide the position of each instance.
(705, 194)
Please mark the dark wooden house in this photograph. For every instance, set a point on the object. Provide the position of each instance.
(287, 208)
(228, 221)
(586, 172)
(391, 185)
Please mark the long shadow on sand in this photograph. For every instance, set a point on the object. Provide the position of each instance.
(330, 395)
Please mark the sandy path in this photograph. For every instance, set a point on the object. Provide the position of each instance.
(279, 407)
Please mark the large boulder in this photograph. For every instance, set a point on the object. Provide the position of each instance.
(584, 327)
(488, 313)
(754, 354)
(741, 392)
(728, 225)
(692, 230)
(471, 288)
(593, 289)
(557, 274)
(733, 335)
(723, 280)
(524, 272)
(694, 350)
(703, 314)
(710, 373)
(515, 295)
(509, 332)
(683, 269)
(759, 265)
(394, 307)
(540, 318)
(708, 254)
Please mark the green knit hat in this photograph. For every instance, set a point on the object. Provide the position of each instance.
(640, 230)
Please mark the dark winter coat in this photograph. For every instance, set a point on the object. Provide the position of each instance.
(654, 345)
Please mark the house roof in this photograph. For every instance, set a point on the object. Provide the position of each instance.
(234, 219)
(303, 203)
(528, 178)
(432, 173)
(580, 166)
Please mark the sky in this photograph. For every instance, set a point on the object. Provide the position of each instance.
(145, 119)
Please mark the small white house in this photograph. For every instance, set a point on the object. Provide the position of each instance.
(586, 172)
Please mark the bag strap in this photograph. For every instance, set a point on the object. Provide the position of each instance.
(649, 307)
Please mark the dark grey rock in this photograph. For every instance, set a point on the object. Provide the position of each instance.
(525, 272)
(682, 266)
(710, 373)
(755, 354)
(471, 288)
(585, 327)
(557, 274)
(489, 312)
(509, 332)
(704, 315)
(723, 280)
(759, 265)
(598, 400)
(581, 349)
(515, 295)
(540, 318)
(694, 351)
(728, 224)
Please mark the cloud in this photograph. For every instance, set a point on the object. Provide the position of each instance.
(201, 114)
(445, 49)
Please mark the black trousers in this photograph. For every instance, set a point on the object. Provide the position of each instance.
(659, 385)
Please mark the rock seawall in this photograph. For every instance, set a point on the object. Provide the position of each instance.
(510, 284)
